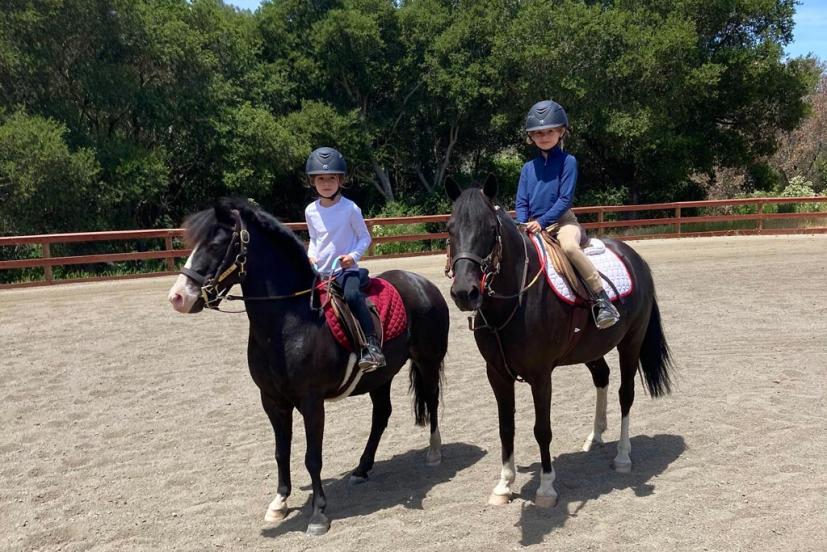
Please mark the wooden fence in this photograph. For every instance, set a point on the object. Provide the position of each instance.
(675, 221)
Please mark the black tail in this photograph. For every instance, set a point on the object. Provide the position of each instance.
(655, 358)
(426, 385)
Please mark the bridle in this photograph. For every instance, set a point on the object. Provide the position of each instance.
(215, 289)
(215, 286)
(490, 267)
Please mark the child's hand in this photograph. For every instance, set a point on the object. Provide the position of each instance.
(346, 261)
(533, 227)
(312, 260)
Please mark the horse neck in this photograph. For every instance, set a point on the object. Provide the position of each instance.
(275, 269)
(512, 263)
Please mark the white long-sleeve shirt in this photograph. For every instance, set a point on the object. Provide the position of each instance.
(334, 231)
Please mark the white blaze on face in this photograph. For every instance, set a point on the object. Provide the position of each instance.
(184, 292)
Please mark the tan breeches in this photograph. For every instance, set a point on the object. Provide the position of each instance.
(569, 235)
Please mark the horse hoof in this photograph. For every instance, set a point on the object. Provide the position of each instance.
(499, 500)
(433, 459)
(275, 515)
(317, 529)
(318, 526)
(545, 501)
(356, 480)
(622, 467)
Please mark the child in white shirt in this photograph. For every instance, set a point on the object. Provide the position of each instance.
(338, 233)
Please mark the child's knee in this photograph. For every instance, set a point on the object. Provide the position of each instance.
(570, 247)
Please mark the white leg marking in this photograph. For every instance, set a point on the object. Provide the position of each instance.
(502, 492)
(623, 460)
(434, 456)
(183, 293)
(277, 510)
(546, 496)
(600, 424)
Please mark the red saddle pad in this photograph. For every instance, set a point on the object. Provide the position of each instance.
(389, 304)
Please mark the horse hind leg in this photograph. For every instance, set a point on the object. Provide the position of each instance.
(629, 358)
(426, 376)
(381, 399)
(600, 375)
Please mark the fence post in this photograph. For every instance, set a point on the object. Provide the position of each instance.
(170, 260)
(372, 245)
(678, 223)
(760, 211)
(47, 270)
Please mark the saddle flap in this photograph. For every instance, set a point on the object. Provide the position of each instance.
(616, 278)
(387, 311)
(348, 322)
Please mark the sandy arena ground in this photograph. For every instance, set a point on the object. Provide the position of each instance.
(127, 426)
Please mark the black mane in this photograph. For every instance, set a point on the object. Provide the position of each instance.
(474, 205)
(199, 227)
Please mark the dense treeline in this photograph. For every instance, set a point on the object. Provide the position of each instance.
(131, 113)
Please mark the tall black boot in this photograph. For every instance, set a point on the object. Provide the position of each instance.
(606, 315)
(372, 357)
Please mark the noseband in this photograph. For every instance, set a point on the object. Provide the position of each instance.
(215, 288)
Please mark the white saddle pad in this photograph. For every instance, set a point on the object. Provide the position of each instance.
(604, 259)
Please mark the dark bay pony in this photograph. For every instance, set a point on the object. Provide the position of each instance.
(293, 357)
(524, 331)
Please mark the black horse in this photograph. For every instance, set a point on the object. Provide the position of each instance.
(524, 331)
(293, 357)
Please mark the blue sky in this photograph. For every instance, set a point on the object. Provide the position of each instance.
(809, 36)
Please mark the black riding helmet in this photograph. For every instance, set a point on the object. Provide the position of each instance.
(325, 161)
(546, 114)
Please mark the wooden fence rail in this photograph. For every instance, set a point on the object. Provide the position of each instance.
(605, 219)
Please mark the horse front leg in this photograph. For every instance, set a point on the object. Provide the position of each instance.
(381, 399)
(313, 412)
(503, 387)
(546, 496)
(281, 418)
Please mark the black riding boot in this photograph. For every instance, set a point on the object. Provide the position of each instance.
(606, 314)
(372, 357)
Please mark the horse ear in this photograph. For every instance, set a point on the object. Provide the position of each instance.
(452, 189)
(490, 186)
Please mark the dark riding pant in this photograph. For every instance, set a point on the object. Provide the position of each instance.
(352, 283)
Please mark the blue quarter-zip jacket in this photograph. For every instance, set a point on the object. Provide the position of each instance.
(546, 188)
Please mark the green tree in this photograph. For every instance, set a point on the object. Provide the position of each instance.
(45, 186)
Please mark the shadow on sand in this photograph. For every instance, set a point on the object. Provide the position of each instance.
(403, 479)
(584, 476)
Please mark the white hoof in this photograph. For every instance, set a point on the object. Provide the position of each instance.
(499, 500)
(275, 515)
(277, 510)
(545, 501)
(592, 442)
(622, 467)
(433, 458)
